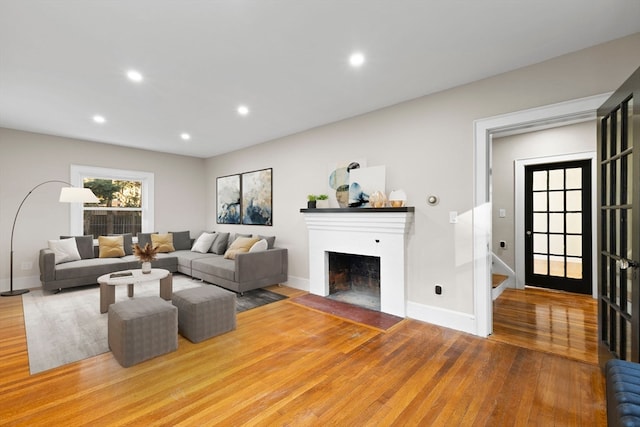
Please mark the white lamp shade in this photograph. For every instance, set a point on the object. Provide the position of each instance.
(77, 195)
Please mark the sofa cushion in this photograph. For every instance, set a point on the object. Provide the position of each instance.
(163, 242)
(219, 246)
(144, 238)
(181, 240)
(84, 244)
(241, 244)
(127, 243)
(90, 268)
(234, 237)
(165, 260)
(203, 242)
(260, 245)
(65, 250)
(271, 240)
(216, 266)
(111, 246)
(186, 257)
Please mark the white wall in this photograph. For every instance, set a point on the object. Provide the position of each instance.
(427, 147)
(29, 159)
(577, 138)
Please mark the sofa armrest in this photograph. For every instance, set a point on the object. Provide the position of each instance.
(257, 265)
(47, 261)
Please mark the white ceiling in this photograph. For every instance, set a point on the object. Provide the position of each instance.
(63, 61)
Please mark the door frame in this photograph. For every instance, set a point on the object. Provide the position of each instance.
(563, 113)
(519, 211)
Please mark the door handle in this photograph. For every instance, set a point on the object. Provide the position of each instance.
(529, 233)
(624, 264)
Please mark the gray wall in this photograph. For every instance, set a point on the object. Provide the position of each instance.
(29, 159)
(578, 138)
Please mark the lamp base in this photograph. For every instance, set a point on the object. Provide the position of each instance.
(14, 293)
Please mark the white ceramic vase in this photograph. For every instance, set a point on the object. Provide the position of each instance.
(146, 267)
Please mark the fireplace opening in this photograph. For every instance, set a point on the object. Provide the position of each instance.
(355, 279)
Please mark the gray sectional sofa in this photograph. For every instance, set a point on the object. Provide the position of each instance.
(250, 270)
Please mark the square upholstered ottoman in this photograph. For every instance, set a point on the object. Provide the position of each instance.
(142, 328)
(205, 312)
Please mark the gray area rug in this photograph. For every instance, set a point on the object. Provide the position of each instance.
(68, 326)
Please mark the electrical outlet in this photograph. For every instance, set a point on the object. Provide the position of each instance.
(438, 290)
(27, 265)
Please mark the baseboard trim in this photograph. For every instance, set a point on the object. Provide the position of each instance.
(442, 317)
(28, 282)
(297, 283)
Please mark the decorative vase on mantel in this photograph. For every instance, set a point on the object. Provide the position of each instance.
(146, 267)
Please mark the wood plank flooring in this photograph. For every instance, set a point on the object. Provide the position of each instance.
(289, 365)
(554, 322)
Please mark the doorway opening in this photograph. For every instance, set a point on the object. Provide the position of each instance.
(575, 111)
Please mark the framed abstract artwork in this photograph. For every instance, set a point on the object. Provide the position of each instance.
(257, 188)
(228, 199)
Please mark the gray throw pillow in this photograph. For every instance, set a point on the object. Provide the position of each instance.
(144, 238)
(84, 244)
(127, 242)
(181, 240)
(219, 246)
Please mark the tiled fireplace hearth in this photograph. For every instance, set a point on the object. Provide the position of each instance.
(381, 233)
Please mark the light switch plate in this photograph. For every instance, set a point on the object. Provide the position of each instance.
(502, 213)
(453, 217)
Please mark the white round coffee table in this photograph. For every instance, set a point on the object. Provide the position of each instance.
(108, 283)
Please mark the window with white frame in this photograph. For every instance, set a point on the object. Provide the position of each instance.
(126, 201)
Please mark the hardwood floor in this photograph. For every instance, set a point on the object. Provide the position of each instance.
(554, 322)
(289, 365)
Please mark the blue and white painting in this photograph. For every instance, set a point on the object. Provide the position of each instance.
(257, 197)
(228, 199)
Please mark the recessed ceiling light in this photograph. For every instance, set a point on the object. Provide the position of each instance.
(356, 59)
(134, 76)
(243, 110)
(185, 136)
(99, 119)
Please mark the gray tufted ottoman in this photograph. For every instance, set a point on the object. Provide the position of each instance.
(142, 328)
(205, 312)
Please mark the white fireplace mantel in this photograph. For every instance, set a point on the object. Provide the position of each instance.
(379, 232)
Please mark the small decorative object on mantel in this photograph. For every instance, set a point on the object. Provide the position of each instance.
(311, 201)
(377, 200)
(322, 201)
(397, 198)
(145, 255)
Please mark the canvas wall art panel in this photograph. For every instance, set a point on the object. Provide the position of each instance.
(257, 191)
(338, 190)
(363, 183)
(228, 199)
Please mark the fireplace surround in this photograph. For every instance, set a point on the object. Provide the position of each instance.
(381, 232)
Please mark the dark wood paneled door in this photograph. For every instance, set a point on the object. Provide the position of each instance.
(558, 226)
(619, 222)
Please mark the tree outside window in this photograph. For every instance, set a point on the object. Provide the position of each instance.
(119, 210)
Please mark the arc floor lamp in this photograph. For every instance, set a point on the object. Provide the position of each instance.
(68, 194)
